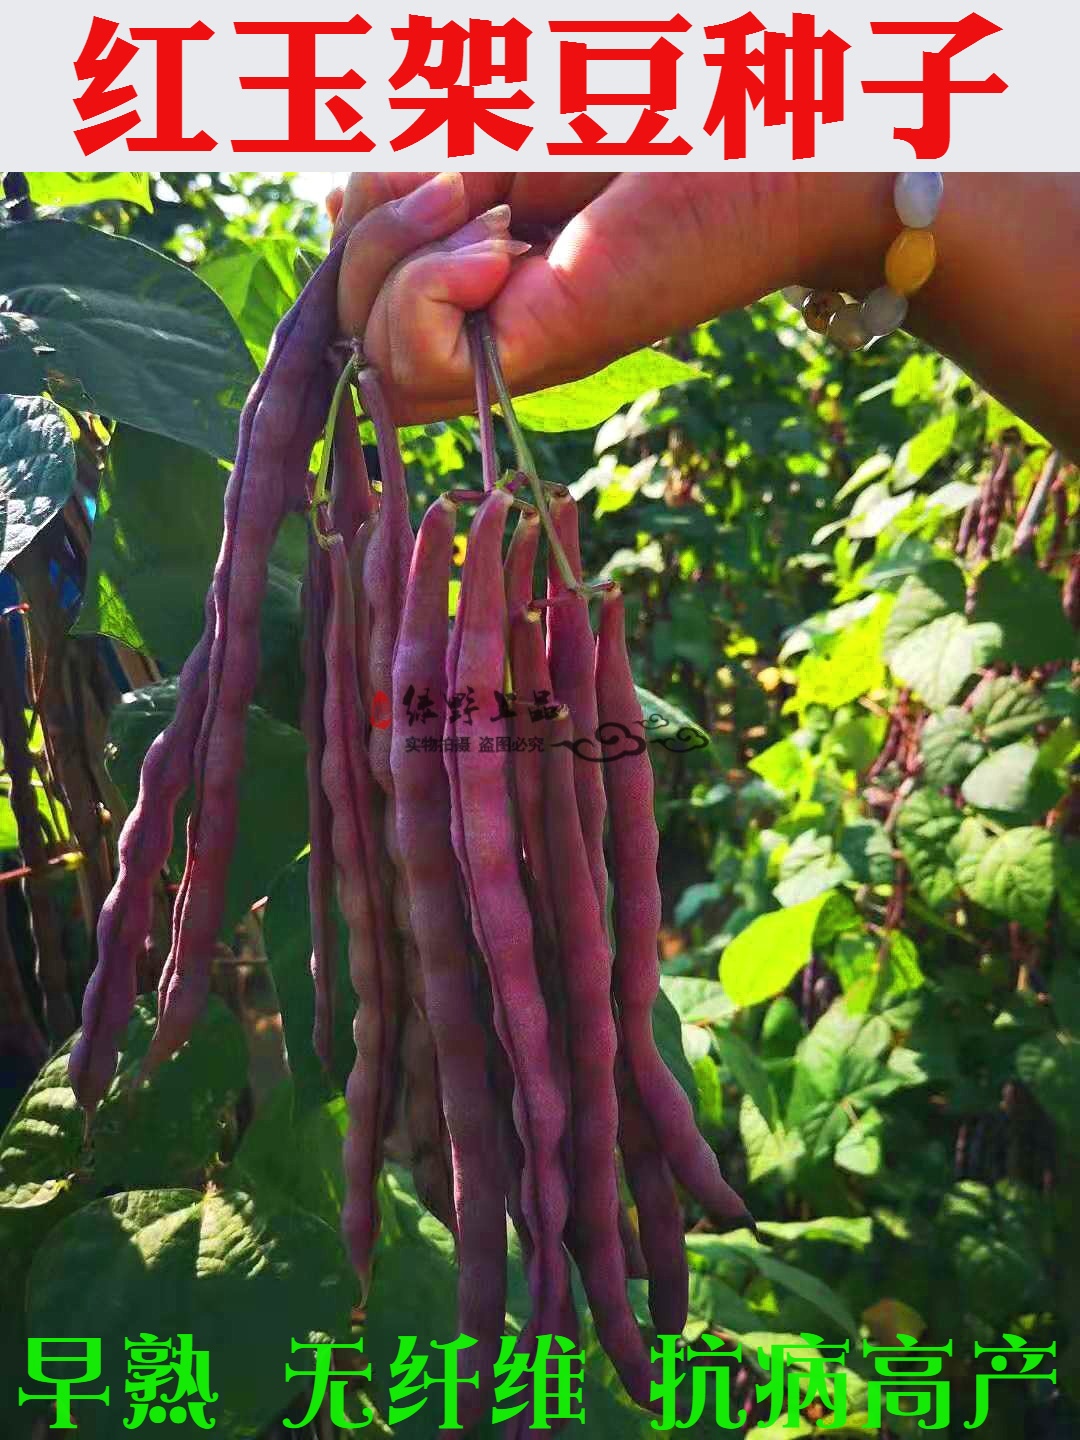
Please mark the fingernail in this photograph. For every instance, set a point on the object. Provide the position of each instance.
(435, 203)
(494, 245)
(496, 220)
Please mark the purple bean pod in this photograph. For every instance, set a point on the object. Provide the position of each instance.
(586, 965)
(571, 654)
(349, 790)
(287, 421)
(482, 828)
(352, 500)
(635, 844)
(146, 839)
(661, 1228)
(315, 603)
(440, 929)
(386, 564)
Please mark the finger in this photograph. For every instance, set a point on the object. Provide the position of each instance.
(387, 234)
(334, 202)
(538, 198)
(424, 304)
(607, 286)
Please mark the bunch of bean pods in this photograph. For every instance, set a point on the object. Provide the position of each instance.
(497, 885)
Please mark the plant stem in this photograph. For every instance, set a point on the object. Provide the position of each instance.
(321, 493)
(525, 462)
(488, 453)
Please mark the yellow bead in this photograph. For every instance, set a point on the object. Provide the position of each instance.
(910, 261)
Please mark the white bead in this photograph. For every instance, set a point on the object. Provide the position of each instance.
(884, 310)
(847, 327)
(917, 197)
(795, 294)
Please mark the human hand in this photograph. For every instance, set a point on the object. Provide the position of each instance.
(636, 257)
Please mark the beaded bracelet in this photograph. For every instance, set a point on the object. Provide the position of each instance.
(908, 266)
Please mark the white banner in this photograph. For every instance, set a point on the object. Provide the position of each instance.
(555, 86)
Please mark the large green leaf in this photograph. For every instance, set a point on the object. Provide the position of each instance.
(1025, 603)
(841, 1067)
(272, 828)
(585, 404)
(37, 470)
(937, 590)
(84, 187)
(937, 659)
(22, 369)
(295, 1158)
(136, 336)
(950, 748)
(242, 1278)
(1012, 875)
(764, 958)
(258, 282)
(1005, 709)
(159, 1134)
(926, 829)
(719, 1253)
(842, 667)
(148, 578)
(1011, 783)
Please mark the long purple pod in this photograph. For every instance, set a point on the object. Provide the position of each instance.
(571, 654)
(586, 966)
(635, 843)
(352, 500)
(529, 673)
(386, 564)
(482, 828)
(422, 1110)
(315, 603)
(348, 790)
(440, 929)
(357, 555)
(146, 838)
(288, 419)
(661, 1229)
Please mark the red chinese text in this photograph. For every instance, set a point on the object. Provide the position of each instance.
(661, 58)
(460, 109)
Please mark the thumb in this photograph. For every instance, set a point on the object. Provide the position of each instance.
(417, 330)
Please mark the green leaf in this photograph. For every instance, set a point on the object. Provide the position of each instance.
(949, 747)
(917, 379)
(1010, 783)
(937, 590)
(1050, 1068)
(1005, 709)
(808, 868)
(785, 766)
(843, 667)
(272, 826)
(931, 444)
(151, 1135)
(136, 337)
(258, 283)
(585, 404)
(66, 188)
(840, 1070)
(992, 1239)
(669, 723)
(926, 830)
(714, 1249)
(749, 1074)
(668, 1033)
(698, 1002)
(22, 369)
(287, 937)
(147, 580)
(37, 470)
(295, 1157)
(244, 1279)
(1025, 603)
(936, 660)
(1013, 876)
(764, 958)
(867, 850)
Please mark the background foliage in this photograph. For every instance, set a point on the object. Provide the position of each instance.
(846, 570)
